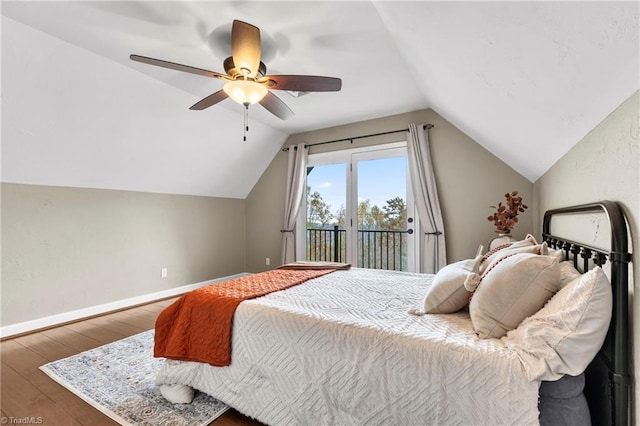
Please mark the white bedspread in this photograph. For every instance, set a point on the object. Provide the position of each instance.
(342, 349)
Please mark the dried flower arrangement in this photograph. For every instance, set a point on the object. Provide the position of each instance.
(505, 217)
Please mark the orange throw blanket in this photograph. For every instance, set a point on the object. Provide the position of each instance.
(197, 327)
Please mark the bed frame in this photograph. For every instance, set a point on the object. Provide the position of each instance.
(609, 377)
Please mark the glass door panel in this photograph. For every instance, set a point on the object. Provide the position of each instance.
(326, 213)
(383, 239)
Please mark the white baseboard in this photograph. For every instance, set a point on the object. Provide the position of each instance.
(53, 320)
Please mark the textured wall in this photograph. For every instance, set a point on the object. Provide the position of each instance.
(70, 248)
(602, 166)
(469, 180)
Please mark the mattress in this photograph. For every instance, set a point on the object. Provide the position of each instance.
(343, 349)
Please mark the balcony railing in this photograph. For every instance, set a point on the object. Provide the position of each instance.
(326, 244)
(377, 249)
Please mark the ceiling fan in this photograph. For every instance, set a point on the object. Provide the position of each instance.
(246, 81)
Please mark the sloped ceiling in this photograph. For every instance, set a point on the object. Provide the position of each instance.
(526, 80)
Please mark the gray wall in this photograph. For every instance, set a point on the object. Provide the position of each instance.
(70, 248)
(469, 180)
(602, 166)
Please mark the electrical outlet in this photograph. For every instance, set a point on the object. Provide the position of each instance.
(163, 272)
(267, 261)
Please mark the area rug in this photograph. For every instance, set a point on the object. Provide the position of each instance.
(118, 379)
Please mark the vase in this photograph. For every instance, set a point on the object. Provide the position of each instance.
(501, 239)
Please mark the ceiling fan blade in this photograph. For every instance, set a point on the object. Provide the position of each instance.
(245, 47)
(210, 100)
(275, 106)
(174, 66)
(303, 83)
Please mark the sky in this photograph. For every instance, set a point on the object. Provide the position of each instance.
(378, 181)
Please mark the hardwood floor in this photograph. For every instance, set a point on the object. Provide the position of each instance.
(26, 391)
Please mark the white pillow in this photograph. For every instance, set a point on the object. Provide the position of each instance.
(528, 245)
(567, 273)
(564, 336)
(447, 294)
(559, 253)
(514, 288)
(540, 249)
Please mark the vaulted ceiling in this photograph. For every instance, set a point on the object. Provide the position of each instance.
(526, 80)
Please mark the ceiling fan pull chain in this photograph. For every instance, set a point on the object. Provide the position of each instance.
(246, 120)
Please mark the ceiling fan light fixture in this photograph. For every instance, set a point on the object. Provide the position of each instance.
(245, 91)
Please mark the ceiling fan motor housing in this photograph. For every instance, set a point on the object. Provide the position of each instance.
(233, 72)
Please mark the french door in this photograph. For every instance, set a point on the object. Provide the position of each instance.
(359, 209)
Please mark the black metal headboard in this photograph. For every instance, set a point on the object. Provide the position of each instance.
(609, 377)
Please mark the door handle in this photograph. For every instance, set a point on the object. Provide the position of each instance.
(410, 220)
(409, 231)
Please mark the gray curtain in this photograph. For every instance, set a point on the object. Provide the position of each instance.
(425, 194)
(296, 178)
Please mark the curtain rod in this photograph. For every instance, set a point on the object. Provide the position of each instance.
(426, 126)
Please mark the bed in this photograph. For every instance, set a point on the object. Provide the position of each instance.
(343, 349)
